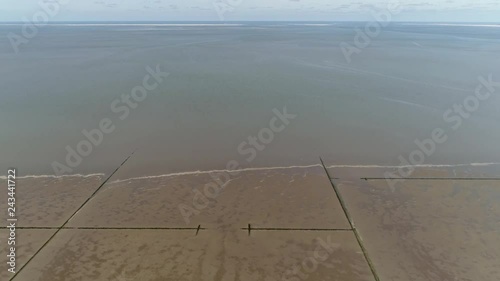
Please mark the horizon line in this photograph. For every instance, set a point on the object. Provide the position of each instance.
(239, 21)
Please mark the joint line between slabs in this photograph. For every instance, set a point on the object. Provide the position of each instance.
(111, 228)
(66, 222)
(351, 223)
(294, 229)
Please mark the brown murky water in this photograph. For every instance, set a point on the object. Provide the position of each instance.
(223, 86)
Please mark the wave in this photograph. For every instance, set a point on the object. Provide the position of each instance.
(408, 103)
(200, 172)
(217, 171)
(417, 166)
(135, 24)
(56, 177)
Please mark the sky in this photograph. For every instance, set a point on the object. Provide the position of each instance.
(248, 10)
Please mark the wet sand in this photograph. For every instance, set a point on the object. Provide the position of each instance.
(300, 198)
(264, 224)
(267, 221)
(29, 242)
(180, 255)
(49, 201)
(428, 229)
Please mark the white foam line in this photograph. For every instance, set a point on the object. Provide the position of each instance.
(416, 166)
(261, 169)
(54, 176)
(416, 44)
(407, 103)
(215, 171)
(361, 71)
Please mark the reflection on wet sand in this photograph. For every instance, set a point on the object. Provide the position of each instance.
(266, 198)
(29, 242)
(266, 224)
(428, 229)
(211, 255)
(46, 201)
(133, 230)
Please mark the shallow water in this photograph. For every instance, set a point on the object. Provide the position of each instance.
(223, 85)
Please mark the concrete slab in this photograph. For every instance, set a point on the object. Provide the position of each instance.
(269, 198)
(179, 255)
(28, 241)
(428, 229)
(48, 201)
